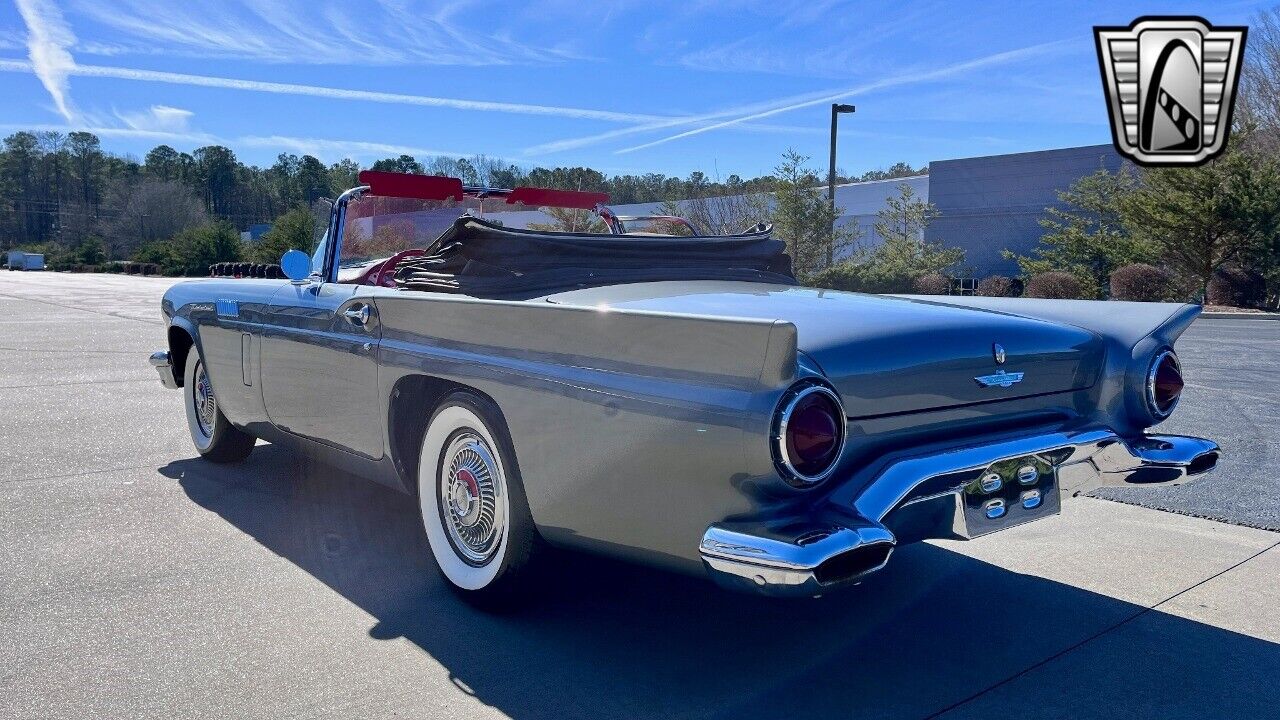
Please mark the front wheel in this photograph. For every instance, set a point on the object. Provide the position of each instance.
(214, 436)
(472, 502)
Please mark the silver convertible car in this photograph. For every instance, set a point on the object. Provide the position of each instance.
(548, 378)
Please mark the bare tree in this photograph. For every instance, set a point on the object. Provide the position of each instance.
(570, 220)
(723, 208)
(146, 211)
(1259, 103)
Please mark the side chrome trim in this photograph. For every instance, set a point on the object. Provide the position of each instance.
(164, 366)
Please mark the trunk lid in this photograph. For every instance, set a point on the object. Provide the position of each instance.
(887, 355)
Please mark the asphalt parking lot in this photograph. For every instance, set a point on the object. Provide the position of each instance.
(138, 581)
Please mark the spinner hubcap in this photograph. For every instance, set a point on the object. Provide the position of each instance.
(206, 404)
(470, 493)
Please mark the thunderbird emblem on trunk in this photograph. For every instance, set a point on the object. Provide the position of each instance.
(999, 379)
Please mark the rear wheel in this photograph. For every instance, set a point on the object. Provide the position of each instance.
(472, 502)
(214, 436)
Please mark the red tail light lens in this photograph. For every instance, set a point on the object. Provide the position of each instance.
(1164, 384)
(810, 434)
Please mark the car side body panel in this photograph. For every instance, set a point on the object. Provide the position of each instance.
(218, 314)
(319, 371)
(617, 418)
(642, 414)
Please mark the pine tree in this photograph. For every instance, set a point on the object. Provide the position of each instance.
(1088, 237)
(805, 219)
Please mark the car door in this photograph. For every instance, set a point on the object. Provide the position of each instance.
(319, 367)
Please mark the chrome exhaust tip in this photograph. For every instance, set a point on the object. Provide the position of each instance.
(1156, 460)
(797, 560)
(1203, 463)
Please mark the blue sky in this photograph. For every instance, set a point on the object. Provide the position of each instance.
(723, 87)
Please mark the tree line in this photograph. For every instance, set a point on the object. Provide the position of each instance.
(66, 195)
(1177, 231)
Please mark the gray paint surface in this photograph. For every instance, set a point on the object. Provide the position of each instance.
(886, 355)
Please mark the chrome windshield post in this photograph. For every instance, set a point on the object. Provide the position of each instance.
(337, 217)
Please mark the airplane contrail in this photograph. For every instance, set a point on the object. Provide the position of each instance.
(907, 79)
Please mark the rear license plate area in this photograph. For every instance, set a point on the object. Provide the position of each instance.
(1009, 493)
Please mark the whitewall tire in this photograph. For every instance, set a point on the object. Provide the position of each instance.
(472, 501)
(214, 436)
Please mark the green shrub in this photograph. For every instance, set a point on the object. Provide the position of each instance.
(861, 277)
(294, 230)
(191, 251)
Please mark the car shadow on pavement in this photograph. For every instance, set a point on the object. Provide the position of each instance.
(609, 639)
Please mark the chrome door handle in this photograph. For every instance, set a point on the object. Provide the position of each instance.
(357, 315)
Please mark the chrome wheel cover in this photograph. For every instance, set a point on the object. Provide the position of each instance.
(470, 488)
(205, 403)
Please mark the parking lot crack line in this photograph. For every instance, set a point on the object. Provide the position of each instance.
(63, 476)
(1100, 633)
(70, 352)
(73, 307)
(78, 382)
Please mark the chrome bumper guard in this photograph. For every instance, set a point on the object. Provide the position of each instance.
(163, 365)
(923, 497)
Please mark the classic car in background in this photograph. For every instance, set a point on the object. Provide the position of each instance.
(674, 400)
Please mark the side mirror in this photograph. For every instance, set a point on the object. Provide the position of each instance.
(296, 265)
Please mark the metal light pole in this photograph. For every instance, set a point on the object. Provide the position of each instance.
(836, 109)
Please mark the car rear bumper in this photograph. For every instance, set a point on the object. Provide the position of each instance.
(164, 366)
(943, 495)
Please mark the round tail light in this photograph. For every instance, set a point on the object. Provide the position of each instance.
(810, 434)
(1164, 384)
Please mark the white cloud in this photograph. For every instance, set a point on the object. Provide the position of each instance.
(643, 122)
(702, 120)
(330, 148)
(48, 40)
(836, 43)
(12, 40)
(894, 81)
(340, 93)
(157, 117)
(386, 32)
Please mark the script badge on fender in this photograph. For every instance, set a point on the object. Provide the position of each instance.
(1170, 84)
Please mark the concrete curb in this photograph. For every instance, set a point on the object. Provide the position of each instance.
(1240, 316)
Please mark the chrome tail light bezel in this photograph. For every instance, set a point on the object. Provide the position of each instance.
(1153, 401)
(787, 405)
